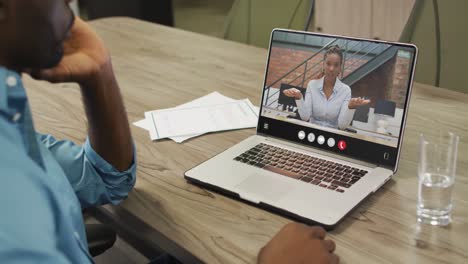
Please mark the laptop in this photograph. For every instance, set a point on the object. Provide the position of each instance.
(303, 162)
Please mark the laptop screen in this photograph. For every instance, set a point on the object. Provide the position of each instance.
(345, 95)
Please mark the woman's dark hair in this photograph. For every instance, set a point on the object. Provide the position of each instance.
(334, 49)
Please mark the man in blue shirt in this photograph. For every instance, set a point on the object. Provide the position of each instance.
(46, 182)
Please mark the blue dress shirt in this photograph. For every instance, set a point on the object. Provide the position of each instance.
(44, 184)
(332, 112)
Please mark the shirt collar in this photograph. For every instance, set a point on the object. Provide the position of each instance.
(10, 87)
(335, 88)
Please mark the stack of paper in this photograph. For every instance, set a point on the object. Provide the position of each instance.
(210, 113)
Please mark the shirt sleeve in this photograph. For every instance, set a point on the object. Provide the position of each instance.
(94, 180)
(346, 115)
(304, 105)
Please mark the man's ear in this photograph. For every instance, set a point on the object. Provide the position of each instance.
(3, 10)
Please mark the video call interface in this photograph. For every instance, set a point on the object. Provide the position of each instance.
(350, 87)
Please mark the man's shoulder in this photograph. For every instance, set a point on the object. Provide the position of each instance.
(27, 207)
(10, 137)
(13, 156)
(22, 176)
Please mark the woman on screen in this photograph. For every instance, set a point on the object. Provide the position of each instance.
(327, 100)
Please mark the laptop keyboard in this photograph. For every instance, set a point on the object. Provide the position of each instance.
(326, 174)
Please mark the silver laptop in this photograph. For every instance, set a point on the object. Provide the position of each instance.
(330, 128)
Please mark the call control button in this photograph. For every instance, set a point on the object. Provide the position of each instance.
(342, 145)
(321, 140)
(301, 135)
(311, 137)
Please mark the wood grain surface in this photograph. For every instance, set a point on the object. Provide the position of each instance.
(159, 67)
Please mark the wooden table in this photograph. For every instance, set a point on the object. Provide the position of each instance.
(159, 67)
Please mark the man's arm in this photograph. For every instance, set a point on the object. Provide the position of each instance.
(94, 180)
(108, 129)
(103, 170)
(87, 62)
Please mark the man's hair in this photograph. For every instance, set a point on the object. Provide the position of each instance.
(334, 49)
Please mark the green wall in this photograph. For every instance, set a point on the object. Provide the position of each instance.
(251, 21)
(453, 19)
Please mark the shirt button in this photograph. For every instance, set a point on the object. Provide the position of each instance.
(16, 117)
(11, 81)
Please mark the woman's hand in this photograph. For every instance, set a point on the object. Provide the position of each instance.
(298, 243)
(85, 58)
(293, 92)
(356, 102)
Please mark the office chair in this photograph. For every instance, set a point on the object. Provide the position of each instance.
(160, 11)
(288, 102)
(251, 21)
(100, 238)
(383, 110)
(362, 113)
(438, 29)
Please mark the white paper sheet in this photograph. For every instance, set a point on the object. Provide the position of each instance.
(214, 98)
(144, 123)
(202, 119)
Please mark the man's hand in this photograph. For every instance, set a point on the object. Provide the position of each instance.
(87, 62)
(85, 58)
(356, 102)
(298, 243)
(293, 92)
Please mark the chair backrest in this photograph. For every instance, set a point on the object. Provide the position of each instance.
(288, 101)
(74, 7)
(251, 21)
(438, 28)
(362, 113)
(158, 11)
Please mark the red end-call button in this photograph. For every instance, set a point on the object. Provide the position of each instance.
(342, 145)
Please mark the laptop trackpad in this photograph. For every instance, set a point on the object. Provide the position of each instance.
(259, 187)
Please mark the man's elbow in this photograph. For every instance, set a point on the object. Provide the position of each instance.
(118, 189)
(119, 193)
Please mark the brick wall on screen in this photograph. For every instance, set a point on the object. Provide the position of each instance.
(282, 60)
(400, 82)
(388, 82)
(377, 83)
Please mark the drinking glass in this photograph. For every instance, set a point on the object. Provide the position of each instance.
(436, 172)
